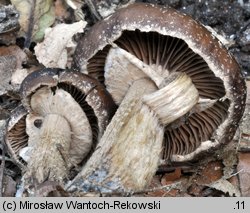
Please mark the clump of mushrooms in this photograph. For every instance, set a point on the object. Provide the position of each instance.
(180, 94)
(62, 117)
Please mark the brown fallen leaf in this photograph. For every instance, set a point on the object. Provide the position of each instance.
(234, 181)
(213, 171)
(171, 189)
(61, 11)
(15, 51)
(244, 173)
(195, 190)
(156, 183)
(213, 176)
(171, 177)
(168, 179)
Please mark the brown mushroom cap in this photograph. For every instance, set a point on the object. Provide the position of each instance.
(94, 103)
(170, 41)
(90, 95)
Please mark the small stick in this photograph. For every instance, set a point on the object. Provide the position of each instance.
(2, 169)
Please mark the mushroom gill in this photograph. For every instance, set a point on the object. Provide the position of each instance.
(16, 135)
(166, 55)
(62, 117)
(188, 134)
(80, 97)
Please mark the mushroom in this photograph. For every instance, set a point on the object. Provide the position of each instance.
(16, 137)
(180, 94)
(62, 117)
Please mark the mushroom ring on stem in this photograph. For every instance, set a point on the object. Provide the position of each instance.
(180, 94)
(62, 117)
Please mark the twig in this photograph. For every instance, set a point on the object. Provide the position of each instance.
(93, 10)
(167, 188)
(6, 159)
(30, 29)
(2, 169)
(234, 174)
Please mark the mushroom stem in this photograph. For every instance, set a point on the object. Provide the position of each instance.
(174, 100)
(127, 154)
(152, 74)
(49, 158)
(129, 151)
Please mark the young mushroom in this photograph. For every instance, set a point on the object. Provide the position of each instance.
(180, 94)
(66, 114)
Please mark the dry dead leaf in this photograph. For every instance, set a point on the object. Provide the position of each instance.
(226, 187)
(9, 186)
(169, 178)
(61, 9)
(18, 76)
(50, 189)
(172, 189)
(11, 58)
(174, 179)
(195, 190)
(35, 17)
(7, 67)
(212, 176)
(52, 51)
(15, 51)
(234, 181)
(156, 183)
(244, 173)
(210, 173)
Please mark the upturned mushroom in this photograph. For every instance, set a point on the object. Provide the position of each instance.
(180, 94)
(62, 117)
